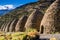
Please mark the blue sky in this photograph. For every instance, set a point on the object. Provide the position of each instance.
(11, 4)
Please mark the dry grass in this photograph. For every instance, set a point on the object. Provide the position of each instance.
(17, 35)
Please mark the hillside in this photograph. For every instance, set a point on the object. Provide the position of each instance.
(26, 9)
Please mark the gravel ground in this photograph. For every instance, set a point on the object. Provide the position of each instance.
(48, 36)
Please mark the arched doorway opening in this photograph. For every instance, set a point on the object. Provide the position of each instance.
(42, 29)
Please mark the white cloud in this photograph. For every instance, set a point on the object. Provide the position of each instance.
(3, 7)
(9, 6)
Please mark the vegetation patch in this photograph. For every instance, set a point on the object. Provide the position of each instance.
(29, 34)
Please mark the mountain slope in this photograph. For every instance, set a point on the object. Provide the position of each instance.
(25, 10)
(3, 12)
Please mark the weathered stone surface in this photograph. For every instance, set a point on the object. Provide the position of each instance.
(21, 23)
(34, 20)
(51, 20)
(12, 25)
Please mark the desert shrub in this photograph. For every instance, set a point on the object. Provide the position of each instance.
(27, 37)
(53, 39)
(31, 30)
(18, 35)
(2, 38)
(57, 32)
(29, 34)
